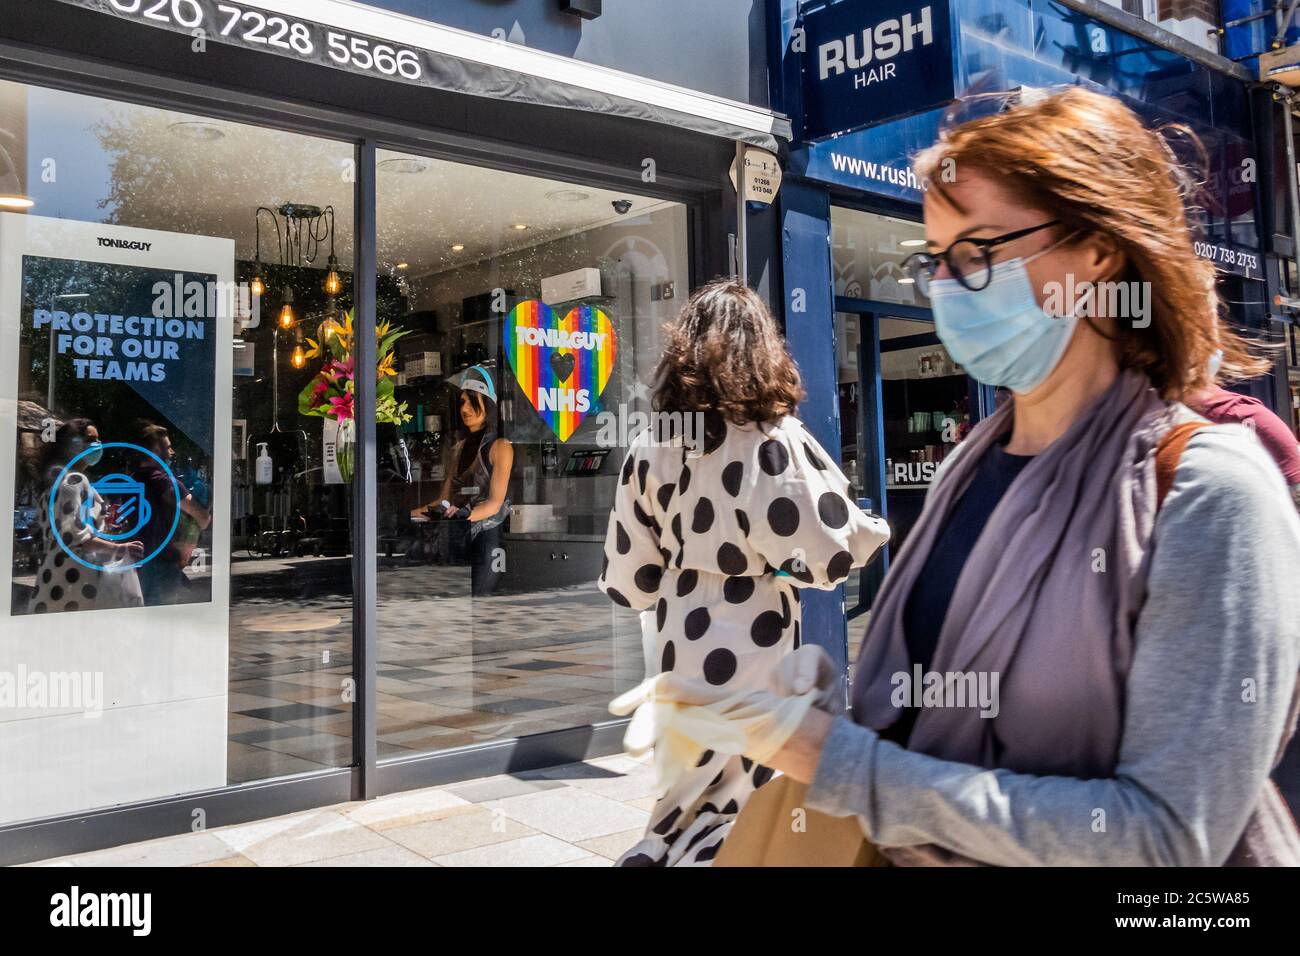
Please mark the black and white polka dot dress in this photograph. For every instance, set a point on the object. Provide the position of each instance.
(711, 541)
(63, 584)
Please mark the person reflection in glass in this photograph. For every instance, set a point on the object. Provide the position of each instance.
(163, 579)
(473, 495)
(99, 576)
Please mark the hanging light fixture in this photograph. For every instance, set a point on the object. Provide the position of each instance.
(287, 319)
(333, 283)
(300, 231)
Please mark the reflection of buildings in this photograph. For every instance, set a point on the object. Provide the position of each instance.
(868, 264)
(886, 287)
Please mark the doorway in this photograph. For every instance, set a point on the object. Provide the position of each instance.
(904, 406)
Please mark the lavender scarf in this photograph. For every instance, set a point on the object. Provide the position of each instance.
(1030, 605)
(1030, 572)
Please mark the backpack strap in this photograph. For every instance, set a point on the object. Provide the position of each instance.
(1168, 453)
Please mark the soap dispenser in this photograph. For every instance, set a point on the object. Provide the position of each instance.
(263, 465)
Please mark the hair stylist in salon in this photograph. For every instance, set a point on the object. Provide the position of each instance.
(477, 481)
(1146, 643)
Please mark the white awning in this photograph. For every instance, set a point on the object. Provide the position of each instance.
(453, 60)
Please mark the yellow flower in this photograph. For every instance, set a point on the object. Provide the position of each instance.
(386, 366)
(314, 351)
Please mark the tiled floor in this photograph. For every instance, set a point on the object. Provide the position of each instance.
(453, 671)
(583, 814)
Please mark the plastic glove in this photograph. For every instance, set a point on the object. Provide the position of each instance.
(810, 670)
(680, 718)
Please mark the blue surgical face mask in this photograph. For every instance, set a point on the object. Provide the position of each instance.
(89, 451)
(1001, 335)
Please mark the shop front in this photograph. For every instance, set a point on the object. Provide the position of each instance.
(869, 85)
(243, 574)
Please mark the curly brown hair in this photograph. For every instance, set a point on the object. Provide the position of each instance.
(725, 353)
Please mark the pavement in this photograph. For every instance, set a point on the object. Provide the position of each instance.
(580, 814)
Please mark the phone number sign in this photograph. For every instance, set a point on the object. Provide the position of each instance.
(1236, 261)
(240, 24)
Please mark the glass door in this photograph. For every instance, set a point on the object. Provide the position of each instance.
(904, 405)
(928, 405)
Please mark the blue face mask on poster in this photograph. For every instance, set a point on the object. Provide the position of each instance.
(90, 453)
(1000, 334)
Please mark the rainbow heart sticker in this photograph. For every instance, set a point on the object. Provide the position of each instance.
(562, 365)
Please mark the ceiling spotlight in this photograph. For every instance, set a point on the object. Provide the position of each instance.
(911, 243)
(403, 265)
(906, 280)
(567, 195)
(404, 165)
(458, 247)
(16, 202)
(519, 226)
(198, 130)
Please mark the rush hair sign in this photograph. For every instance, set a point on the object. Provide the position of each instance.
(864, 63)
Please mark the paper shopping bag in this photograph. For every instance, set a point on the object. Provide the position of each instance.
(776, 828)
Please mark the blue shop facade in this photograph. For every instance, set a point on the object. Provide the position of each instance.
(881, 387)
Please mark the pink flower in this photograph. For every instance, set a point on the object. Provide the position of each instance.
(341, 406)
(318, 393)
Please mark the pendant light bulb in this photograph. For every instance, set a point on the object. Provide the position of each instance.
(299, 358)
(333, 282)
(287, 318)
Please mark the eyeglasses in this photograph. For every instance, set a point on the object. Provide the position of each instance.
(969, 261)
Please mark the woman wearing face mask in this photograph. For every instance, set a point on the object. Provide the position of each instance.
(478, 480)
(1111, 588)
(79, 571)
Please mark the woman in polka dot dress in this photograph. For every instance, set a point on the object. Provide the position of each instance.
(63, 584)
(714, 530)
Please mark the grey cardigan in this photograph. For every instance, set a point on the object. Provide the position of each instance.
(1214, 667)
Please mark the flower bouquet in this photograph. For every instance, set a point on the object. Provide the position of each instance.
(330, 392)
